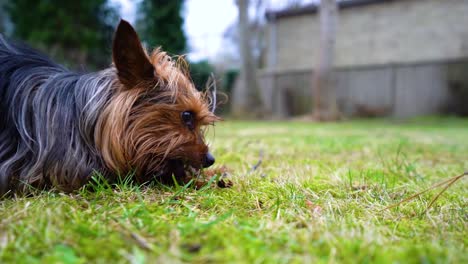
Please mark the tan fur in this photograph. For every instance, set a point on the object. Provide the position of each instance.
(142, 128)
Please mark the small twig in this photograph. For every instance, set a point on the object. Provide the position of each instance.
(141, 241)
(449, 183)
(455, 179)
(259, 162)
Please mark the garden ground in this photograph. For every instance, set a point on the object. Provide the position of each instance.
(317, 196)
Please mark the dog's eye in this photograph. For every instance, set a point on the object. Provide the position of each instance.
(188, 119)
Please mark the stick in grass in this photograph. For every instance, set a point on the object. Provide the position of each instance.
(454, 179)
(449, 183)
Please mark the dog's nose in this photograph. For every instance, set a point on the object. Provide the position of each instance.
(208, 160)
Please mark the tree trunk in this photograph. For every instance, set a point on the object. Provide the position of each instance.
(324, 90)
(246, 96)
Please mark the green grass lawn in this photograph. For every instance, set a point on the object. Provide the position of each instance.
(316, 197)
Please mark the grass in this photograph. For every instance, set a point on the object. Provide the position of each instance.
(316, 198)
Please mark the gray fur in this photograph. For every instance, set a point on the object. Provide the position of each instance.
(47, 120)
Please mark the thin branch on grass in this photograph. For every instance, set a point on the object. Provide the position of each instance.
(448, 183)
(140, 241)
(454, 179)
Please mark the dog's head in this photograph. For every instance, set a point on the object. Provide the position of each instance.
(154, 123)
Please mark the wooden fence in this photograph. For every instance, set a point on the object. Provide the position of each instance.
(398, 90)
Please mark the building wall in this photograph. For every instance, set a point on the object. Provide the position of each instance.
(404, 31)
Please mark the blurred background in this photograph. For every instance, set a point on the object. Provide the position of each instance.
(278, 59)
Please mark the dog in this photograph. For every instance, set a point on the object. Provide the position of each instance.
(142, 116)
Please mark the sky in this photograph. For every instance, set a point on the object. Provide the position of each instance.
(205, 22)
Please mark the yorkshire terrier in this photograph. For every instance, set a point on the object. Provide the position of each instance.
(142, 116)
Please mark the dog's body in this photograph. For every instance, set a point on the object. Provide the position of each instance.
(141, 115)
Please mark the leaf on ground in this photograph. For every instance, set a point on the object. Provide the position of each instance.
(315, 209)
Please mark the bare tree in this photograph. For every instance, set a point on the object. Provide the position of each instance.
(246, 97)
(231, 38)
(324, 90)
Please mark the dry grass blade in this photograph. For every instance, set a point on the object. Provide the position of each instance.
(449, 183)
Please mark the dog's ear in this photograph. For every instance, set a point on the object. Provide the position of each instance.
(130, 59)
